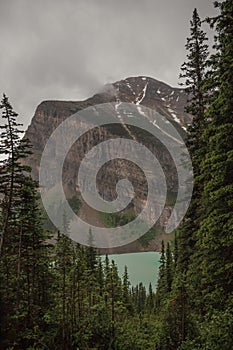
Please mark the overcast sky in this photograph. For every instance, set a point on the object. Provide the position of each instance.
(68, 49)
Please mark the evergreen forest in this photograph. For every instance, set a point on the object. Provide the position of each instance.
(64, 296)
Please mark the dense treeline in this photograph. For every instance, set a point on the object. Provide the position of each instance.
(59, 296)
(65, 296)
(197, 306)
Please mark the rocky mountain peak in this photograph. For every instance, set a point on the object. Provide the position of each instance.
(169, 102)
(151, 93)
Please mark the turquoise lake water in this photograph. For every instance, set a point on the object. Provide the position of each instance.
(142, 267)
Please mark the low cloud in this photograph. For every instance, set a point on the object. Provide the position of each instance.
(70, 49)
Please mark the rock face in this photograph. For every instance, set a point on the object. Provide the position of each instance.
(144, 91)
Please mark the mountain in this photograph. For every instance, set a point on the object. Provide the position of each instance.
(169, 102)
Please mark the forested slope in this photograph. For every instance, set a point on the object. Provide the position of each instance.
(64, 297)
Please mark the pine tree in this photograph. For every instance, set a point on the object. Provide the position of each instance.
(194, 71)
(210, 269)
(169, 268)
(24, 261)
(161, 287)
(175, 324)
(216, 229)
(91, 252)
(150, 299)
(13, 149)
(126, 290)
(176, 251)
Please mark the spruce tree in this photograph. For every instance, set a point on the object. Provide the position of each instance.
(12, 150)
(194, 71)
(169, 268)
(24, 262)
(216, 229)
(194, 74)
(126, 290)
(161, 286)
(211, 268)
(176, 323)
(150, 299)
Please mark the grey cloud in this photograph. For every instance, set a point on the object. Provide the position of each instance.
(70, 49)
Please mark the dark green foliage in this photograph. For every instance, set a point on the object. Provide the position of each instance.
(12, 149)
(150, 299)
(64, 296)
(58, 208)
(198, 308)
(215, 236)
(74, 203)
(118, 219)
(148, 237)
(162, 286)
(24, 264)
(169, 268)
(195, 75)
(69, 298)
(194, 71)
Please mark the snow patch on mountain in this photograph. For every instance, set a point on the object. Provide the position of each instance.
(130, 87)
(140, 99)
(174, 115)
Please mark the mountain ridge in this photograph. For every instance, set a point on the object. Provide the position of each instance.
(145, 91)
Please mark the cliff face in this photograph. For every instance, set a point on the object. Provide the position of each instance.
(144, 91)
